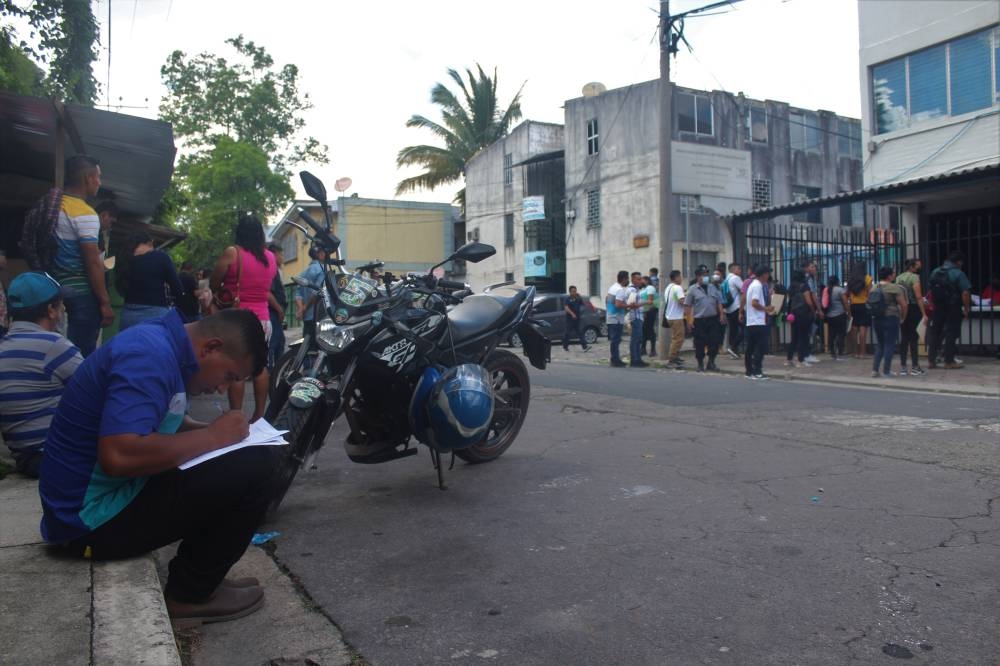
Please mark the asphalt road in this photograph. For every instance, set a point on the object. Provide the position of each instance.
(670, 518)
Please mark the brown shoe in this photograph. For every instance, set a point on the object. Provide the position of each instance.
(226, 603)
(245, 581)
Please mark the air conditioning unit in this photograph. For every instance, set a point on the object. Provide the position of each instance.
(473, 235)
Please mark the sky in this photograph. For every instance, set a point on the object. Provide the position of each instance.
(368, 66)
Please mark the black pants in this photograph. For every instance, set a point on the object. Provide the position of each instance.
(572, 329)
(708, 334)
(756, 344)
(838, 333)
(213, 508)
(947, 324)
(909, 340)
(801, 336)
(650, 322)
(735, 330)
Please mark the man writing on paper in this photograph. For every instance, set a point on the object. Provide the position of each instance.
(110, 486)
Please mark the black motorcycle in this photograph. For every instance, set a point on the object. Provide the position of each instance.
(371, 344)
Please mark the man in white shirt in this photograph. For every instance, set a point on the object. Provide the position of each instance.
(733, 288)
(757, 308)
(633, 301)
(673, 309)
(615, 318)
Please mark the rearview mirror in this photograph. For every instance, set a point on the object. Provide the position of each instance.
(314, 186)
(474, 252)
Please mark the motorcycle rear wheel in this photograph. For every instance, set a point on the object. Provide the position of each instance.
(511, 395)
(300, 426)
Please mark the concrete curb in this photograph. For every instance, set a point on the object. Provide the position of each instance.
(130, 621)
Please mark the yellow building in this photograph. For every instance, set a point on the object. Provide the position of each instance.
(406, 235)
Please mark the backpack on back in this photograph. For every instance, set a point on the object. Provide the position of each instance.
(941, 288)
(727, 294)
(876, 303)
(38, 236)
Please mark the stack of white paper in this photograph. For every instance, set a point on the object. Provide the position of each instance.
(262, 433)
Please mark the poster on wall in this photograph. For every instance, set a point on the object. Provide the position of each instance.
(533, 208)
(536, 264)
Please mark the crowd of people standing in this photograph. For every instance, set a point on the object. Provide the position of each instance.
(820, 316)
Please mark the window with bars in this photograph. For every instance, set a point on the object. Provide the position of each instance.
(508, 169)
(756, 129)
(508, 277)
(592, 137)
(594, 277)
(761, 193)
(508, 230)
(290, 247)
(694, 113)
(956, 77)
(593, 208)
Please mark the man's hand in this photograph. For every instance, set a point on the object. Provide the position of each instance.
(107, 315)
(769, 309)
(230, 428)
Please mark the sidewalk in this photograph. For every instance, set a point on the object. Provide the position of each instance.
(979, 377)
(57, 610)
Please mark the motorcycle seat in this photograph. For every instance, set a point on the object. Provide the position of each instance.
(482, 312)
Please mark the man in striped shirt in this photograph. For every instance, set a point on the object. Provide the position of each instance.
(37, 363)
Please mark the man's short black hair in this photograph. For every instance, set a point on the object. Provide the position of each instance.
(274, 247)
(732, 266)
(634, 273)
(571, 287)
(654, 271)
(241, 332)
(622, 275)
(761, 269)
(77, 168)
(107, 206)
(956, 257)
(35, 313)
(674, 274)
(885, 271)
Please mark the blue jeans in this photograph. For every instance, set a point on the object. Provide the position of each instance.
(83, 316)
(133, 313)
(615, 338)
(276, 346)
(886, 334)
(635, 341)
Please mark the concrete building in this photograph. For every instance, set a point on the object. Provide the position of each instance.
(729, 153)
(499, 182)
(930, 83)
(406, 235)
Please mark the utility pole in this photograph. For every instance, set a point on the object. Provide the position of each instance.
(666, 262)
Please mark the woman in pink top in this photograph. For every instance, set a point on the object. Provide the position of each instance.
(246, 270)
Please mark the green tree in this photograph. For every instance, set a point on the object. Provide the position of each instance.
(62, 38)
(469, 122)
(241, 124)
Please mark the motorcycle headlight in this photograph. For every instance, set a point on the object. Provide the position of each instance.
(333, 337)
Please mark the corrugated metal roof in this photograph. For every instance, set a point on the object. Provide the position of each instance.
(985, 172)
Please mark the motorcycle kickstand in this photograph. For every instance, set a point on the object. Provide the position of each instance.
(436, 459)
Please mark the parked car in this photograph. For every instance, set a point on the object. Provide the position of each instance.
(549, 307)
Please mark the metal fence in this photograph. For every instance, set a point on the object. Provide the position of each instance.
(786, 246)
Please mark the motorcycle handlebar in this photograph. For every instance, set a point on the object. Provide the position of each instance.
(451, 284)
(325, 236)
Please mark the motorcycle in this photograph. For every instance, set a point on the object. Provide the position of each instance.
(375, 343)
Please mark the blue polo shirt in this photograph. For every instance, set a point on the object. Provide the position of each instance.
(133, 384)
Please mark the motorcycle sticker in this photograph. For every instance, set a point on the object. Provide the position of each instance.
(398, 354)
(355, 290)
(340, 316)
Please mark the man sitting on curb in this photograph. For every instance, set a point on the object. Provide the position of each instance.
(37, 365)
(110, 484)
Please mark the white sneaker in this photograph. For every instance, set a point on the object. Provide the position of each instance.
(811, 359)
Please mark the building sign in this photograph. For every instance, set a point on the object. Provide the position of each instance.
(536, 264)
(710, 171)
(533, 208)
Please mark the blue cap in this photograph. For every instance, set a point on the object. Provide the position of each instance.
(33, 288)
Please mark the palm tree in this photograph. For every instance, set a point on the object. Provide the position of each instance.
(468, 125)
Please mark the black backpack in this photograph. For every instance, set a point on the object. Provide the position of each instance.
(38, 236)
(876, 303)
(943, 289)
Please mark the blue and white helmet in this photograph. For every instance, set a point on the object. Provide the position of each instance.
(460, 407)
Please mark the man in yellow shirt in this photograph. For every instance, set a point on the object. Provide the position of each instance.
(77, 264)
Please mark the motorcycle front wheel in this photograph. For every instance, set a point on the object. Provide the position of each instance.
(300, 424)
(511, 394)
